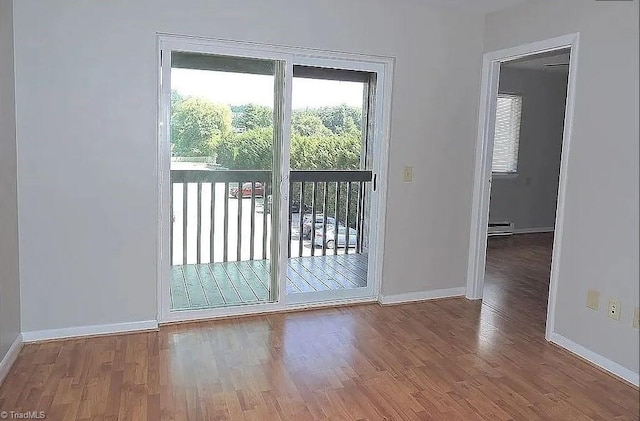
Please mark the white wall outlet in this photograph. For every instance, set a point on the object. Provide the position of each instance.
(593, 299)
(636, 318)
(407, 175)
(614, 309)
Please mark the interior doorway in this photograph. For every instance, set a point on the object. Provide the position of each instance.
(527, 147)
(524, 134)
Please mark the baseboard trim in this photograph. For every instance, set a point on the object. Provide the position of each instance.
(533, 230)
(95, 330)
(421, 296)
(596, 359)
(10, 357)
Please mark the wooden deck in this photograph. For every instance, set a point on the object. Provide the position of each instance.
(212, 285)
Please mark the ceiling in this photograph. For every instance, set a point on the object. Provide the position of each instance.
(484, 6)
(542, 62)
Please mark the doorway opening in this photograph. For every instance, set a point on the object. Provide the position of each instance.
(526, 109)
(527, 146)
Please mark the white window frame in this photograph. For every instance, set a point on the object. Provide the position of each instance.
(515, 133)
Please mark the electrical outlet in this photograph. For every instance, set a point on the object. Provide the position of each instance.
(614, 309)
(636, 318)
(407, 176)
(593, 299)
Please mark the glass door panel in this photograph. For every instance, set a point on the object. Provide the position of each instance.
(223, 157)
(330, 182)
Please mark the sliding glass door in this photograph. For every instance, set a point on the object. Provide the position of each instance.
(268, 179)
(224, 116)
(331, 183)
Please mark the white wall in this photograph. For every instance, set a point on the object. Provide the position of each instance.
(529, 200)
(9, 281)
(600, 241)
(86, 104)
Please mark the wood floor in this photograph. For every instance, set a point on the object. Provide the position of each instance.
(441, 360)
(212, 285)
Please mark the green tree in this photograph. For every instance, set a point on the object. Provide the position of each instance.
(308, 123)
(176, 98)
(197, 124)
(336, 152)
(252, 116)
(254, 150)
(341, 119)
(250, 150)
(322, 138)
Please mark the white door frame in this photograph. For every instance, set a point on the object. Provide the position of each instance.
(166, 44)
(290, 55)
(483, 157)
(378, 137)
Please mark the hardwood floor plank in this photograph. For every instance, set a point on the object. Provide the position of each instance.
(443, 360)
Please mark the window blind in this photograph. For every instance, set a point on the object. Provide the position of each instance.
(507, 134)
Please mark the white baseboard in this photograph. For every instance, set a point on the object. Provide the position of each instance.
(421, 295)
(10, 357)
(533, 230)
(74, 332)
(595, 358)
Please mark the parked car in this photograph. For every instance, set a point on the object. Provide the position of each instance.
(246, 190)
(329, 240)
(295, 205)
(320, 219)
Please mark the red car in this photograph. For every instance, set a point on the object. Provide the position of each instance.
(246, 190)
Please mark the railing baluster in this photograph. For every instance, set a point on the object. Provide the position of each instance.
(289, 216)
(199, 225)
(327, 180)
(301, 219)
(313, 218)
(225, 234)
(239, 241)
(358, 218)
(185, 194)
(264, 219)
(172, 219)
(253, 219)
(325, 209)
(337, 225)
(213, 221)
(348, 219)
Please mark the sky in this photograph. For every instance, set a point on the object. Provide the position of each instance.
(238, 89)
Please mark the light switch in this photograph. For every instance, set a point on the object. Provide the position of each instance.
(408, 174)
(593, 299)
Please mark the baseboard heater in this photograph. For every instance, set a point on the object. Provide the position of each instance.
(500, 228)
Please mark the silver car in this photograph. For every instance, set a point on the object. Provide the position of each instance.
(330, 239)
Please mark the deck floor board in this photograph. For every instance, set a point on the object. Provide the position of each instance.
(212, 285)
